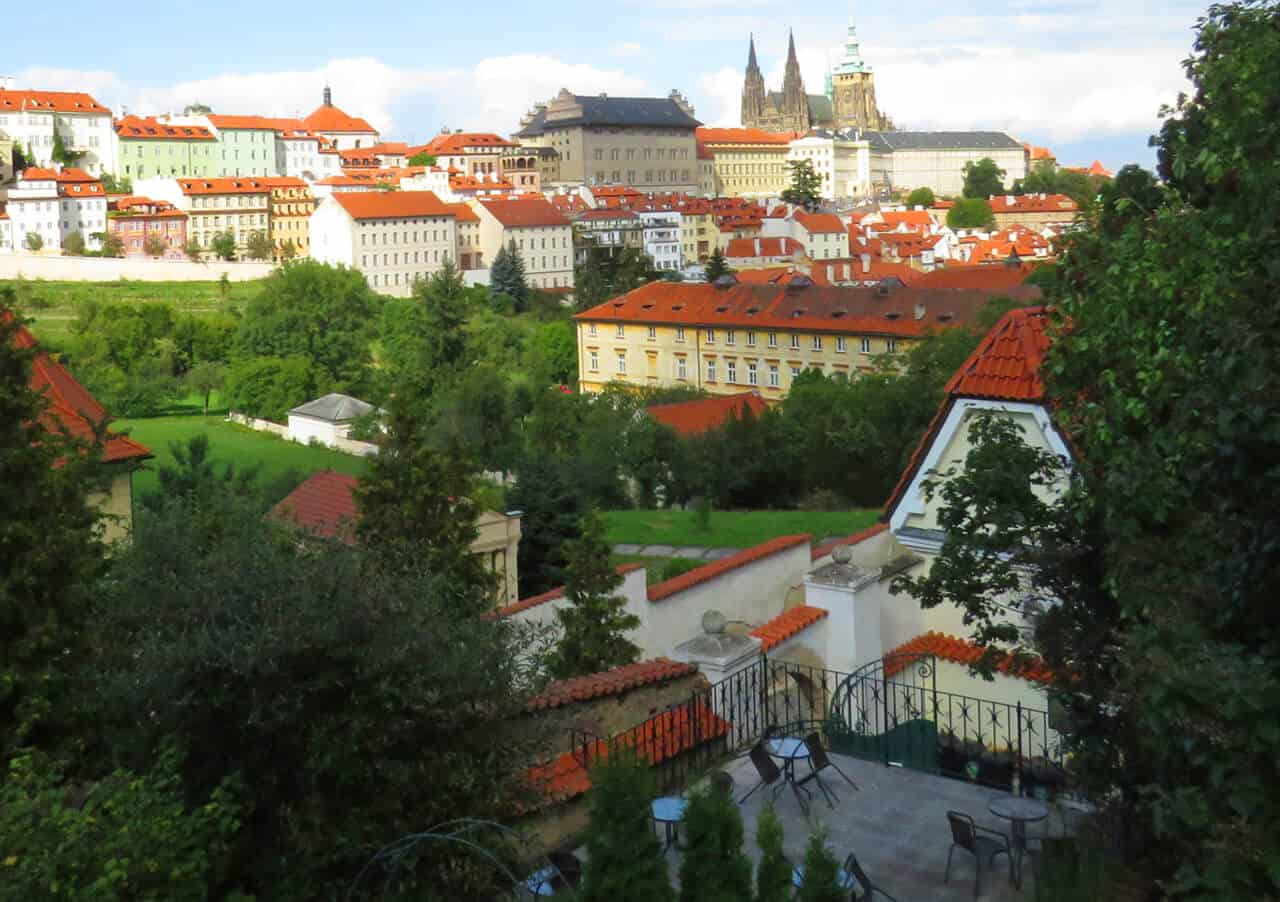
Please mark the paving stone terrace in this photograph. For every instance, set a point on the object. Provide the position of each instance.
(896, 825)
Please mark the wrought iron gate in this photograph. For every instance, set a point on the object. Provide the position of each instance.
(882, 712)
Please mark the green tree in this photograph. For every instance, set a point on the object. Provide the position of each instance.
(288, 250)
(713, 867)
(506, 276)
(294, 663)
(116, 185)
(425, 338)
(595, 621)
(60, 154)
(195, 474)
(258, 246)
(269, 386)
(73, 245)
(33, 241)
(921, 197)
(971, 213)
(113, 245)
(553, 353)
(552, 503)
(773, 874)
(193, 251)
(1132, 196)
(821, 872)
(590, 288)
(223, 245)
(624, 860)
(205, 378)
(152, 246)
(717, 266)
(318, 312)
(983, 179)
(49, 541)
(805, 189)
(422, 158)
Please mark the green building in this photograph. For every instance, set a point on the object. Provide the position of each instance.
(151, 149)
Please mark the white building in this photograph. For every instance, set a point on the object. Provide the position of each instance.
(326, 420)
(903, 161)
(841, 159)
(662, 238)
(53, 205)
(347, 132)
(30, 118)
(239, 206)
(303, 154)
(395, 238)
(540, 234)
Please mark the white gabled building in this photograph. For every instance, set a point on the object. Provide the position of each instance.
(31, 117)
(53, 205)
(394, 238)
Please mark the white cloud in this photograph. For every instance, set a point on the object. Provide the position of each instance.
(491, 95)
(720, 97)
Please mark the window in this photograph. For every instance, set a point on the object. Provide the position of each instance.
(729, 337)
(840, 344)
(595, 361)
(752, 377)
(795, 373)
(711, 336)
(679, 333)
(622, 364)
(732, 367)
(891, 344)
(865, 345)
(795, 342)
(653, 332)
(711, 371)
(773, 339)
(817, 342)
(621, 331)
(682, 369)
(591, 330)
(773, 375)
(751, 339)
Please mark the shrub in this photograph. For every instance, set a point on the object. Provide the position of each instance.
(714, 868)
(821, 872)
(773, 875)
(624, 859)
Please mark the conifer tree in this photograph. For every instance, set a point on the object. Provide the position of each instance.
(773, 875)
(506, 276)
(624, 859)
(717, 266)
(714, 867)
(821, 872)
(595, 623)
(805, 189)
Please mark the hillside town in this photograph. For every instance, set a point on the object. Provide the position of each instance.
(617, 506)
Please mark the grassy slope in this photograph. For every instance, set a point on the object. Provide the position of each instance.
(233, 443)
(729, 529)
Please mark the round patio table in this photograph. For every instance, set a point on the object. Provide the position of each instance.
(1019, 812)
(669, 811)
(789, 750)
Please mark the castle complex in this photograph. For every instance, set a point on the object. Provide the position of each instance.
(849, 101)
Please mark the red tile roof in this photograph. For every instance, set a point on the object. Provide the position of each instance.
(523, 213)
(710, 571)
(850, 269)
(1004, 367)
(1098, 169)
(332, 119)
(704, 414)
(1033, 203)
(987, 278)
(462, 142)
(391, 204)
(744, 248)
(463, 213)
(324, 504)
(816, 308)
(611, 682)
(742, 136)
(558, 592)
(478, 183)
(821, 551)
(657, 739)
(137, 127)
(222, 186)
(787, 624)
(819, 222)
(71, 407)
(76, 182)
(959, 651)
(261, 123)
(59, 101)
(39, 174)
(917, 219)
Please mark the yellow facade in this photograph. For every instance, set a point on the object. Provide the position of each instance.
(720, 361)
(291, 209)
(116, 505)
(699, 236)
(750, 170)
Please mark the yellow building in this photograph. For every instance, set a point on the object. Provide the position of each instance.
(760, 337)
(747, 162)
(699, 234)
(291, 207)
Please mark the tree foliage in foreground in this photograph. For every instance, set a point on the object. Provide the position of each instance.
(624, 858)
(805, 189)
(1164, 553)
(713, 867)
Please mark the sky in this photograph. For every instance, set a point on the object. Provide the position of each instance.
(1086, 78)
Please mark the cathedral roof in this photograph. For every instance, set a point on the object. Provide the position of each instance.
(820, 111)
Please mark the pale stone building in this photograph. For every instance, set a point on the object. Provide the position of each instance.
(240, 206)
(395, 238)
(747, 162)
(902, 161)
(841, 159)
(645, 142)
(540, 234)
(30, 119)
(55, 204)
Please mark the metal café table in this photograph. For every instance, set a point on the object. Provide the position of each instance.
(669, 811)
(1019, 812)
(789, 750)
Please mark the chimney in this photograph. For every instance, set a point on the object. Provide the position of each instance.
(328, 96)
(866, 263)
(920, 311)
(757, 247)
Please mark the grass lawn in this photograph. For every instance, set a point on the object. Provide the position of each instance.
(232, 443)
(53, 304)
(729, 529)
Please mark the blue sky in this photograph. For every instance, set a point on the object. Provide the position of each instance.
(1085, 78)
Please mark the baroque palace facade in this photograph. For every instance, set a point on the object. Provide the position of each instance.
(849, 100)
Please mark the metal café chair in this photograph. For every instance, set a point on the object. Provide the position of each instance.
(983, 843)
(869, 889)
(819, 761)
(771, 775)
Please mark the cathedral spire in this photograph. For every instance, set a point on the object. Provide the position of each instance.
(752, 65)
(791, 50)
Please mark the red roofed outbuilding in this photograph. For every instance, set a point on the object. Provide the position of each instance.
(704, 414)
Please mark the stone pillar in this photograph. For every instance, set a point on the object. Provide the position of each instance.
(847, 592)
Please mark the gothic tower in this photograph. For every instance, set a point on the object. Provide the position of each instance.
(795, 102)
(753, 93)
(853, 90)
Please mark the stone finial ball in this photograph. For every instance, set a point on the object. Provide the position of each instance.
(713, 623)
(842, 554)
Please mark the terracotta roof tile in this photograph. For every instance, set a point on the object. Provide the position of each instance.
(988, 278)
(959, 651)
(611, 682)
(59, 101)
(787, 624)
(819, 222)
(740, 248)
(461, 142)
(139, 128)
(324, 504)
(821, 551)
(710, 571)
(521, 213)
(1033, 203)
(332, 119)
(919, 219)
(703, 414)
(391, 204)
(223, 186)
(742, 136)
